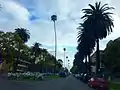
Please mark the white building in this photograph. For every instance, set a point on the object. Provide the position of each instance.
(93, 61)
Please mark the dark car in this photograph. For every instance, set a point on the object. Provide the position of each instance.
(62, 74)
(81, 76)
(86, 77)
(77, 76)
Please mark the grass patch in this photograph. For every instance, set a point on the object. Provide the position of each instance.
(114, 86)
(53, 77)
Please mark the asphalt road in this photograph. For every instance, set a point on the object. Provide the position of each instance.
(68, 83)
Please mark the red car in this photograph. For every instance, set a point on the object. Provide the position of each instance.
(100, 83)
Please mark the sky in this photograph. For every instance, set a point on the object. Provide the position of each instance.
(35, 15)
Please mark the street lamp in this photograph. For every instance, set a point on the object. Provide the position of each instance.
(64, 49)
(54, 18)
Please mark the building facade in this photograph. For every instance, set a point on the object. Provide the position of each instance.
(93, 61)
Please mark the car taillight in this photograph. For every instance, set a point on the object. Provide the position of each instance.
(92, 79)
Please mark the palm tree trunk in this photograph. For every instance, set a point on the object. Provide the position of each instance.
(97, 57)
(17, 59)
(89, 63)
(35, 58)
(86, 64)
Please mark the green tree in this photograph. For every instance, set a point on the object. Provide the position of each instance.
(36, 51)
(8, 47)
(60, 61)
(59, 64)
(86, 44)
(98, 21)
(78, 64)
(111, 56)
(22, 36)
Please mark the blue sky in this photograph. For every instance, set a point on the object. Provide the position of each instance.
(35, 16)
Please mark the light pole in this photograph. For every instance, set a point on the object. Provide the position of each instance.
(64, 49)
(54, 18)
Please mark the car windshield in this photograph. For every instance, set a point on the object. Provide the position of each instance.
(59, 44)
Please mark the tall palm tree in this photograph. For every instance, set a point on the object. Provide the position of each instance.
(99, 23)
(54, 18)
(64, 49)
(23, 36)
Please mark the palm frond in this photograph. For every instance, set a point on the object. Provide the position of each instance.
(92, 6)
(97, 5)
(87, 11)
(107, 8)
(107, 13)
(103, 6)
(85, 16)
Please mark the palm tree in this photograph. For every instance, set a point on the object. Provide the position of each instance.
(99, 23)
(45, 58)
(24, 37)
(78, 62)
(64, 49)
(86, 44)
(44, 52)
(36, 50)
(23, 33)
(54, 18)
(60, 61)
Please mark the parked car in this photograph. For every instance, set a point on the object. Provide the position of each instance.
(62, 74)
(86, 77)
(98, 82)
(81, 76)
(76, 75)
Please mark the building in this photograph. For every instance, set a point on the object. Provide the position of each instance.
(22, 66)
(93, 61)
(4, 67)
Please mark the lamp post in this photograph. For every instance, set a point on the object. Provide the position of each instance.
(54, 18)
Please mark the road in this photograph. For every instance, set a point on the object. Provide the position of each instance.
(69, 83)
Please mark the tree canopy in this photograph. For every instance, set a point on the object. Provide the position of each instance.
(111, 57)
(12, 45)
(97, 24)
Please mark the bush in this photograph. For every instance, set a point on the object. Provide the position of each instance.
(25, 76)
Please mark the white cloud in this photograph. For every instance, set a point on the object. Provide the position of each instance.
(12, 15)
